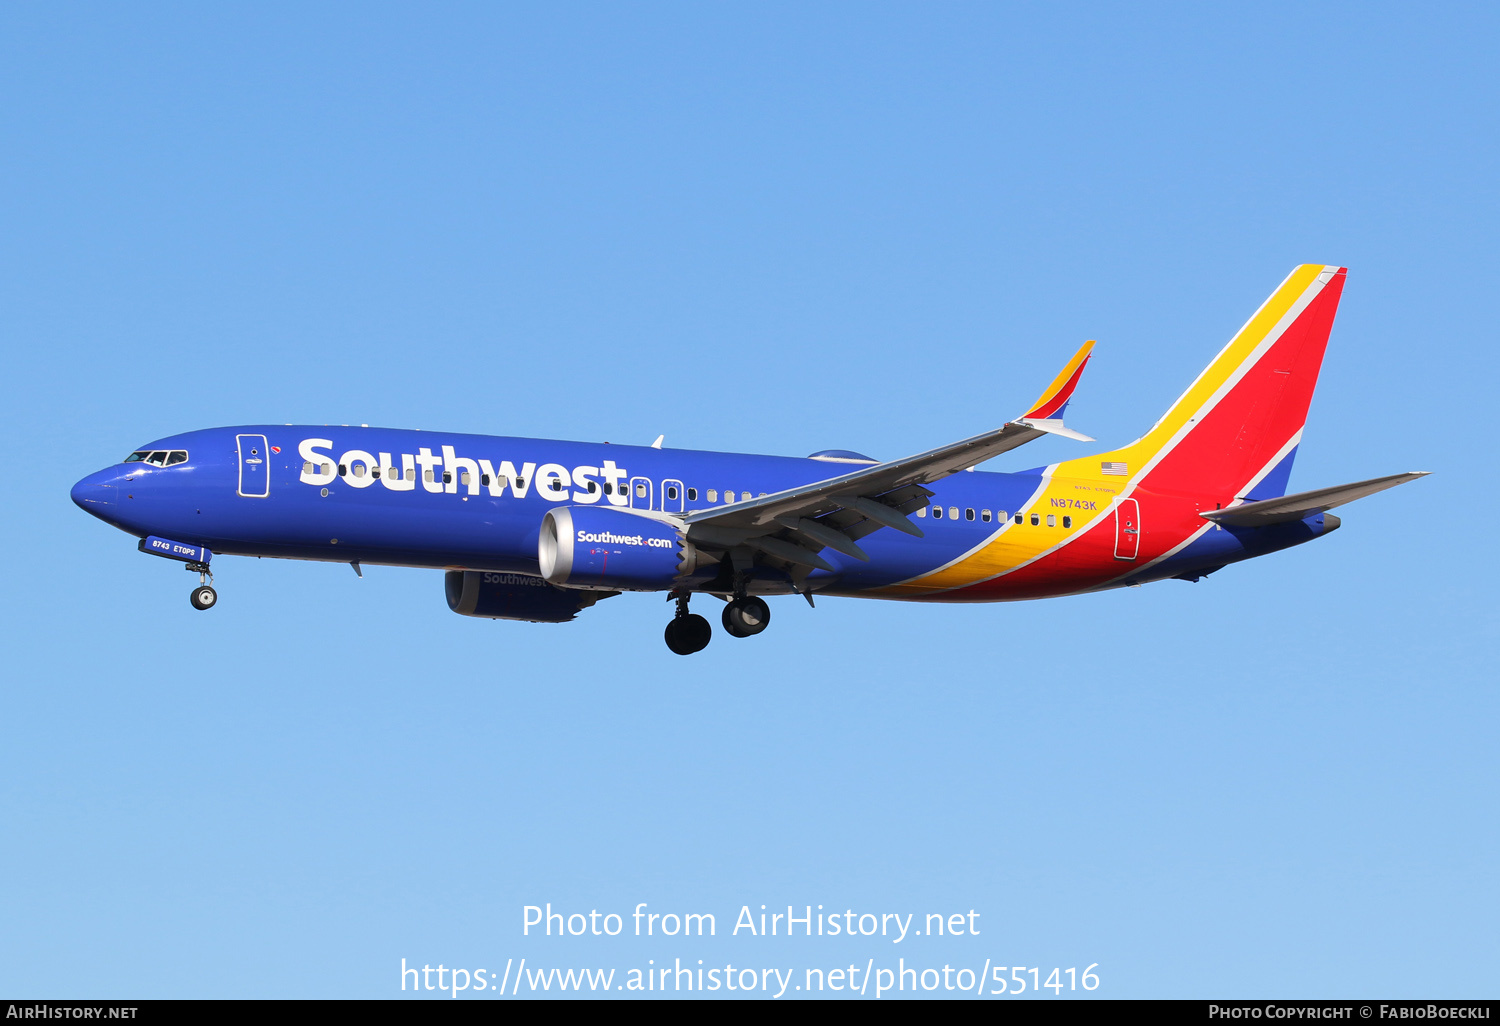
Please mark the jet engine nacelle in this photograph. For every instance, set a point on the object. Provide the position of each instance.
(513, 597)
(593, 547)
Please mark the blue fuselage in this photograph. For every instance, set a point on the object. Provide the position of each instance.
(429, 499)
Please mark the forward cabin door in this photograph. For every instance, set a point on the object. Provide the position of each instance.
(255, 468)
(1127, 529)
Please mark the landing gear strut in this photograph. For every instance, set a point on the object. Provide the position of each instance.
(687, 632)
(203, 596)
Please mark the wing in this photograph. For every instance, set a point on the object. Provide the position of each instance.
(792, 526)
(1287, 508)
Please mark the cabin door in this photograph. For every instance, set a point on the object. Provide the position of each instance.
(671, 497)
(1127, 529)
(640, 493)
(255, 467)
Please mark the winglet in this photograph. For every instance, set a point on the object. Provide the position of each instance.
(1046, 413)
(1054, 399)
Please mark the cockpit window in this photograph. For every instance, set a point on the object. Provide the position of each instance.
(158, 457)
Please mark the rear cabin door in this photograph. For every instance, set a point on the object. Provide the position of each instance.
(640, 493)
(255, 468)
(1127, 529)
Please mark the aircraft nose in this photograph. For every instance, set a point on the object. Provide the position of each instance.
(96, 493)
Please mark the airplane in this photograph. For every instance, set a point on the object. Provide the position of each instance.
(539, 530)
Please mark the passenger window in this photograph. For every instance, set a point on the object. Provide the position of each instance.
(593, 487)
(1067, 521)
(984, 515)
(463, 478)
(692, 495)
(671, 493)
(1036, 520)
(307, 467)
(344, 470)
(937, 512)
(1019, 518)
(1001, 516)
(922, 512)
(520, 482)
(426, 474)
(969, 514)
(447, 477)
(744, 496)
(177, 456)
(952, 512)
(359, 470)
(1051, 519)
(500, 482)
(640, 491)
(713, 495)
(411, 473)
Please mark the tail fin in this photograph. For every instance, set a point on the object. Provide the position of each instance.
(1235, 431)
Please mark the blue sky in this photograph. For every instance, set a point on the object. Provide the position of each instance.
(774, 229)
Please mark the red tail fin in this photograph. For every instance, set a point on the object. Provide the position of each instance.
(1234, 431)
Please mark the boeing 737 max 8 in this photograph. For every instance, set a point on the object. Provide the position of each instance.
(538, 530)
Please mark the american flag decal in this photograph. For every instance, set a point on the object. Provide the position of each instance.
(1117, 469)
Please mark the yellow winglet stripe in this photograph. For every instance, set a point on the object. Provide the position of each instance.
(1062, 386)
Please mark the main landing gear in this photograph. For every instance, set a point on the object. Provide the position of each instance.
(687, 632)
(744, 617)
(203, 596)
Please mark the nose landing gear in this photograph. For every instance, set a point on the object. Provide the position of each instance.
(203, 596)
(687, 632)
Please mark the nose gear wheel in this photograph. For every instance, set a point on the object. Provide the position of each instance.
(203, 596)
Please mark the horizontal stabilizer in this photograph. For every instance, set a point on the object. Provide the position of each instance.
(1288, 508)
